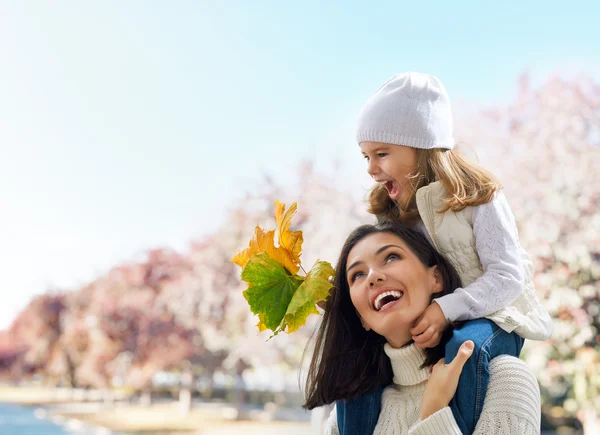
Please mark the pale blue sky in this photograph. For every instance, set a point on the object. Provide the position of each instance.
(126, 125)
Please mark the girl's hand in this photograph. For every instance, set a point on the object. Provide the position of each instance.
(443, 382)
(428, 328)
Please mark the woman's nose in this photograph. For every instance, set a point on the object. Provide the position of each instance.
(375, 277)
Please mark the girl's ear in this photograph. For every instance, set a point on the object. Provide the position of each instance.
(437, 281)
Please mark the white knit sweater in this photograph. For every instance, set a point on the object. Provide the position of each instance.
(499, 252)
(497, 274)
(512, 402)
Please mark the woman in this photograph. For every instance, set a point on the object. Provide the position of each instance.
(387, 275)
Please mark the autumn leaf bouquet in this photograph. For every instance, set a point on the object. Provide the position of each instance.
(277, 293)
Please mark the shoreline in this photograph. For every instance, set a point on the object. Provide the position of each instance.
(165, 418)
(122, 417)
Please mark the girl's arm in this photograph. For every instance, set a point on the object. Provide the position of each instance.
(511, 406)
(497, 244)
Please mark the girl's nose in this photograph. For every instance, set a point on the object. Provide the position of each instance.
(372, 169)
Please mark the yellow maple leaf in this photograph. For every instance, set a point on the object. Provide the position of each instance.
(261, 323)
(261, 242)
(280, 297)
(290, 242)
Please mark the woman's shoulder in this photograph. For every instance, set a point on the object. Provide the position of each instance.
(513, 385)
(506, 364)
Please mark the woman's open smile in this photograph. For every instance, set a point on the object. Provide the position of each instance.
(389, 286)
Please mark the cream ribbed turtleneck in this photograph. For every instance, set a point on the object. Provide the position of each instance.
(512, 402)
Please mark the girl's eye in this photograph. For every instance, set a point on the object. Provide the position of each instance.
(366, 158)
(392, 257)
(381, 154)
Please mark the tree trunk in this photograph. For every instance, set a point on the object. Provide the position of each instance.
(185, 401)
(208, 392)
(239, 395)
(185, 393)
(71, 378)
(108, 398)
(146, 397)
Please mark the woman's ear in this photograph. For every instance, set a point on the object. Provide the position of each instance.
(363, 323)
(437, 281)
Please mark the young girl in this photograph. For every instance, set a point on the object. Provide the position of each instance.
(387, 276)
(405, 134)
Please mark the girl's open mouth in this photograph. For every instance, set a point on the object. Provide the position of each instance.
(393, 189)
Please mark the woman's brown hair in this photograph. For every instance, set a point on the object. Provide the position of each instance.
(466, 184)
(347, 360)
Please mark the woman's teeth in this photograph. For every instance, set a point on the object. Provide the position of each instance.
(385, 298)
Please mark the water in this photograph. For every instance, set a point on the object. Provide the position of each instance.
(22, 420)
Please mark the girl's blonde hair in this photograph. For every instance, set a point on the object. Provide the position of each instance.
(466, 184)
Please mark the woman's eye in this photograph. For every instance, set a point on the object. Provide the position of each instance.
(366, 158)
(381, 154)
(392, 257)
(355, 276)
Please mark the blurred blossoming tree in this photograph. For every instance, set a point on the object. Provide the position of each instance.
(546, 148)
(185, 311)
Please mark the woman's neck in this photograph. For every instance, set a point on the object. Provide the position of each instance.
(406, 364)
(399, 340)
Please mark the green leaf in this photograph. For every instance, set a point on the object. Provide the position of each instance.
(315, 288)
(270, 289)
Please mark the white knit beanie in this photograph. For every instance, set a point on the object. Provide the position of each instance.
(410, 109)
